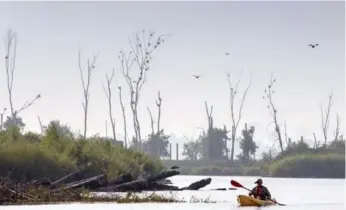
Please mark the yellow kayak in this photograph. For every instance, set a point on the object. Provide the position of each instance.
(245, 200)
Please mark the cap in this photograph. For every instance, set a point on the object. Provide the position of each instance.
(259, 181)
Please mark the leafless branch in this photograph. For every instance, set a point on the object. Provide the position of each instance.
(272, 109)
(10, 61)
(151, 121)
(86, 85)
(124, 116)
(286, 138)
(108, 92)
(27, 104)
(210, 122)
(325, 113)
(41, 125)
(236, 119)
(316, 142)
(2, 114)
(337, 128)
(158, 104)
(140, 55)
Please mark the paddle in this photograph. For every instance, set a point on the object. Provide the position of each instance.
(237, 184)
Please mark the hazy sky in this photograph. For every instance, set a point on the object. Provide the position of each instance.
(261, 37)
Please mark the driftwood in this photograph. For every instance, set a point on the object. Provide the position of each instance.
(134, 186)
(198, 185)
(77, 175)
(120, 180)
(90, 183)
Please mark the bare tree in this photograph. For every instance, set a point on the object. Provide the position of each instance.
(41, 125)
(272, 109)
(210, 126)
(2, 118)
(158, 104)
(86, 86)
(316, 142)
(337, 128)
(124, 115)
(325, 120)
(108, 93)
(151, 121)
(236, 119)
(10, 62)
(140, 55)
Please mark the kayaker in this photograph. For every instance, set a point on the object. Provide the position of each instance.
(260, 191)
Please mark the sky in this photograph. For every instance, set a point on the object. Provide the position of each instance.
(262, 38)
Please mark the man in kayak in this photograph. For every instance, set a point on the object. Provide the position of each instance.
(260, 191)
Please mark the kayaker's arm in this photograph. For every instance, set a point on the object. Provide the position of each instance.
(253, 191)
(267, 193)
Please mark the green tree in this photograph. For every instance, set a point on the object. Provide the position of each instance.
(247, 144)
(157, 144)
(192, 150)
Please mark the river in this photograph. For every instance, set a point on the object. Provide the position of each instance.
(297, 194)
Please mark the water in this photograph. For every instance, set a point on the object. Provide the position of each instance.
(297, 194)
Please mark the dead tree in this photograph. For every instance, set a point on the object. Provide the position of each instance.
(124, 115)
(236, 119)
(316, 142)
(140, 55)
(108, 93)
(86, 86)
(210, 126)
(2, 118)
(41, 125)
(325, 120)
(272, 109)
(158, 104)
(10, 61)
(337, 128)
(151, 121)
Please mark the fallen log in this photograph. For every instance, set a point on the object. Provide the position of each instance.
(90, 183)
(133, 186)
(198, 185)
(161, 175)
(153, 186)
(70, 177)
(120, 180)
(42, 182)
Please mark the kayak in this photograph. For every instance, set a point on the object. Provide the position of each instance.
(245, 200)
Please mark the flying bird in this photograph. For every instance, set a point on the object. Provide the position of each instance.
(196, 76)
(226, 53)
(313, 45)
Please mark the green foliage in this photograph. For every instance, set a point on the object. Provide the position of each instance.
(58, 152)
(247, 144)
(157, 144)
(210, 145)
(192, 150)
(310, 165)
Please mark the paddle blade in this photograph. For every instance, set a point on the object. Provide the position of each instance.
(236, 184)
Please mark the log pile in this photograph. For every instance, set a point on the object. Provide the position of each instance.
(74, 183)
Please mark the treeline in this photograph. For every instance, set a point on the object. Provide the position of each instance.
(299, 159)
(58, 151)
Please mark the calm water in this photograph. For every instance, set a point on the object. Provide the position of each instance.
(297, 194)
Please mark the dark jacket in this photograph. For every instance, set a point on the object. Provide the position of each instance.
(264, 195)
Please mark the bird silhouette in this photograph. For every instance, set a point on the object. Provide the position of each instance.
(226, 53)
(313, 45)
(196, 76)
